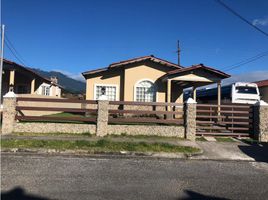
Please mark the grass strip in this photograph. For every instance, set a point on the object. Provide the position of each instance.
(224, 139)
(102, 145)
(202, 139)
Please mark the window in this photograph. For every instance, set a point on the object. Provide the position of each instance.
(145, 91)
(46, 90)
(246, 90)
(108, 90)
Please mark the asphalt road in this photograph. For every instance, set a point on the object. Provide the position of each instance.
(35, 177)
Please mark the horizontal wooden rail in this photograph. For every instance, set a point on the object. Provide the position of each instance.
(56, 100)
(77, 110)
(223, 106)
(144, 103)
(221, 122)
(223, 134)
(223, 111)
(221, 128)
(145, 112)
(145, 120)
(45, 118)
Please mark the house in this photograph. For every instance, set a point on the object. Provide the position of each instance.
(148, 79)
(263, 88)
(24, 81)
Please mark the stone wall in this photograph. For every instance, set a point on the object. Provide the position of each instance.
(37, 127)
(190, 119)
(260, 122)
(168, 131)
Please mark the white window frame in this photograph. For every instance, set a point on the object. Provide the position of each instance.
(141, 80)
(45, 85)
(111, 85)
(46, 89)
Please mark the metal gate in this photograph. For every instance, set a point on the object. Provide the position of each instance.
(224, 120)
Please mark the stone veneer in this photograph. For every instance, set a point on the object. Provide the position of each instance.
(168, 131)
(190, 119)
(261, 122)
(9, 113)
(37, 127)
(102, 118)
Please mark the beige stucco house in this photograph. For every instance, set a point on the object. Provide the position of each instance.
(148, 79)
(26, 82)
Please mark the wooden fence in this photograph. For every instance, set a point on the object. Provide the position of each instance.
(120, 112)
(77, 114)
(146, 112)
(226, 120)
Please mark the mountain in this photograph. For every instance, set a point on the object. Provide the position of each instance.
(69, 84)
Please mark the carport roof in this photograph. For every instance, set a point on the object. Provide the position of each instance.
(195, 67)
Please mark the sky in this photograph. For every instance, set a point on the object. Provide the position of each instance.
(73, 36)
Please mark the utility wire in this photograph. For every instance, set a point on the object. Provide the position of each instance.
(14, 54)
(12, 46)
(13, 50)
(249, 60)
(242, 18)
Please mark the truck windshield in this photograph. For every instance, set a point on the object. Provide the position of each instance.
(246, 90)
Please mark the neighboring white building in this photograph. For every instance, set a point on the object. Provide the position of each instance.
(24, 81)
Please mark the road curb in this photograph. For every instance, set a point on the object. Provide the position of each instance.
(88, 152)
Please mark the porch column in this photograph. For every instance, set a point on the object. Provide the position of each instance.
(194, 93)
(168, 93)
(11, 80)
(32, 86)
(219, 97)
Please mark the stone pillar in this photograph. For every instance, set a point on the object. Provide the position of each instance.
(190, 119)
(102, 119)
(9, 113)
(219, 97)
(260, 122)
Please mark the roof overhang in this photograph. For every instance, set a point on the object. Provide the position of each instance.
(196, 73)
(125, 63)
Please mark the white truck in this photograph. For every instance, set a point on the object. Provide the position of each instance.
(239, 92)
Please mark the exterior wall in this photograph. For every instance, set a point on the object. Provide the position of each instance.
(167, 131)
(264, 93)
(54, 91)
(54, 128)
(150, 72)
(126, 79)
(112, 78)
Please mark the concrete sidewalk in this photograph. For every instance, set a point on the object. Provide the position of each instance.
(233, 151)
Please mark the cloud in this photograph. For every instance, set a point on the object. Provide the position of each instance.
(244, 77)
(261, 22)
(76, 76)
(247, 77)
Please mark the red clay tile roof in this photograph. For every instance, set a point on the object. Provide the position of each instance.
(135, 60)
(143, 58)
(194, 67)
(95, 71)
(262, 83)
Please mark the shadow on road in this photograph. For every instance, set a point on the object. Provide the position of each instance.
(19, 193)
(258, 151)
(199, 196)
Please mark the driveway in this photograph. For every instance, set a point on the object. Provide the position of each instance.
(233, 151)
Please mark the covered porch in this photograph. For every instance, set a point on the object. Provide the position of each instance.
(194, 76)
